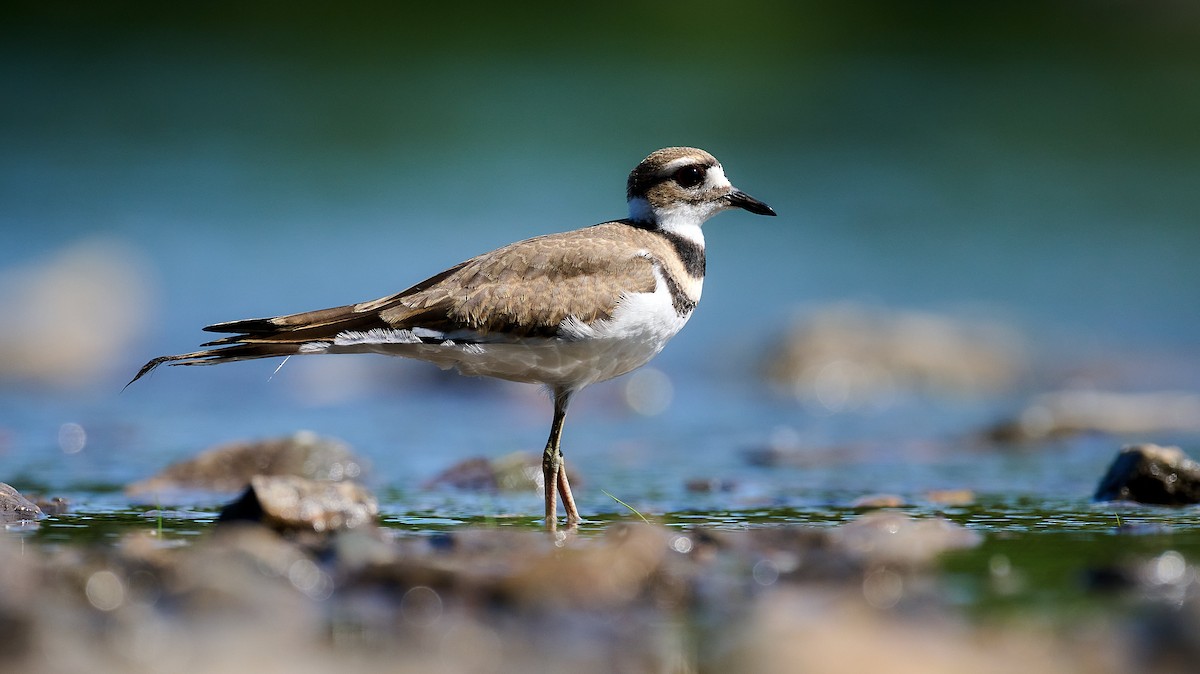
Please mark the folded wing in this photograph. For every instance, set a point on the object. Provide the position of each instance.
(526, 289)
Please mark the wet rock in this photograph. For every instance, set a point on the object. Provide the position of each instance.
(1151, 474)
(229, 467)
(17, 508)
(847, 357)
(518, 471)
(289, 503)
(1066, 413)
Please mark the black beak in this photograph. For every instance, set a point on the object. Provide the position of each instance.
(745, 201)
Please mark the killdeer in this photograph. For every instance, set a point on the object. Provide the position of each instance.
(562, 310)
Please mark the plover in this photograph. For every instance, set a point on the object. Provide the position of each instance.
(562, 310)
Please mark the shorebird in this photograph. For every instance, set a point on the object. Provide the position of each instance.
(563, 310)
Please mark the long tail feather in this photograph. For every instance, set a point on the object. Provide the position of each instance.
(227, 354)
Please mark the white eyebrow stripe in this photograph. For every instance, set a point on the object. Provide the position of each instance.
(670, 166)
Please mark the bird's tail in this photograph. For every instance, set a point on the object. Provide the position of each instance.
(279, 336)
(226, 354)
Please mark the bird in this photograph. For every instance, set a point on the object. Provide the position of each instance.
(564, 310)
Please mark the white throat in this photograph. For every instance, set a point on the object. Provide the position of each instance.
(682, 219)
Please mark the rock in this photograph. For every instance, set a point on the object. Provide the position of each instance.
(1064, 413)
(887, 537)
(229, 467)
(16, 508)
(1151, 474)
(874, 501)
(20, 585)
(710, 485)
(951, 497)
(518, 471)
(797, 630)
(55, 505)
(290, 503)
(848, 357)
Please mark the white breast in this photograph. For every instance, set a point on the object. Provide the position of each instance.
(641, 326)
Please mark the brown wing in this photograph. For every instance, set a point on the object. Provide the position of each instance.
(523, 289)
(529, 288)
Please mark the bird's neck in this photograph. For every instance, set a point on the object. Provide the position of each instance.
(682, 221)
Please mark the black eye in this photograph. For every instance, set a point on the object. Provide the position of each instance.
(690, 175)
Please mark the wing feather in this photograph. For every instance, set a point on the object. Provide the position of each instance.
(523, 289)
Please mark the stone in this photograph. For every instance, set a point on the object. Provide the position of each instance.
(846, 357)
(1148, 473)
(229, 467)
(16, 508)
(290, 503)
(1064, 413)
(514, 472)
(888, 537)
(875, 501)
(951, 497)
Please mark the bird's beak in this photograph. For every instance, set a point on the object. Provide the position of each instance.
(742, 200)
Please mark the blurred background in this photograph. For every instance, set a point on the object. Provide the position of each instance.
(1009, 186)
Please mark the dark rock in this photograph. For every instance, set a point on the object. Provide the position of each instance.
(17, 508)
(518, 471)
(474, 474)
(1151, 474)
(229, 467)
(289, 503)
(710, 485)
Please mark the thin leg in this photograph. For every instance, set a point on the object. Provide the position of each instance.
(564, 490)
(553, 474)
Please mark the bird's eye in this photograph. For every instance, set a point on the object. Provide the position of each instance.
(690, 175)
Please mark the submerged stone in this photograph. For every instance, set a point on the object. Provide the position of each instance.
(1151, 474)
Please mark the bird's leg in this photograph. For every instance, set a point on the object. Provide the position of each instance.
(553, 473)
(550, 476)
(564, 490)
